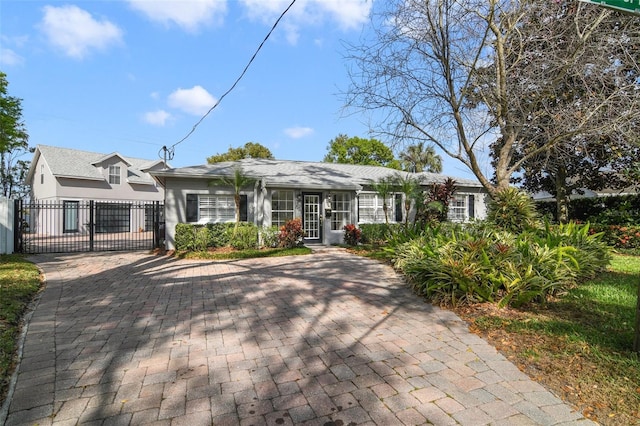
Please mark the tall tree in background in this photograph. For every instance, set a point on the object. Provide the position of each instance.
(416, 158)
(355, 150)
(460, 75)
(14, 143)
(598, 82)
(249, 150)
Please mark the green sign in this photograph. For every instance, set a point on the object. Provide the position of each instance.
(629, 6)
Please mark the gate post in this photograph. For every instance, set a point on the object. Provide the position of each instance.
(91, 225)
(157, 235)
(17, 226)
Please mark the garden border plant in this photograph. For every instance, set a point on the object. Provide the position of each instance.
(245, 236)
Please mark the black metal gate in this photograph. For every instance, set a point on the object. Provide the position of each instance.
(88, 225)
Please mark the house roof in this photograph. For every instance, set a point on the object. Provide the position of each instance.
(109, 156)
(302, 174)
(77, 164)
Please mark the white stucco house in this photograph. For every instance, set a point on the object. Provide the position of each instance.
(325, 196)
(64, 180)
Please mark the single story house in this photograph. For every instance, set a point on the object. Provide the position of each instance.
(326, 196)
(65, 180)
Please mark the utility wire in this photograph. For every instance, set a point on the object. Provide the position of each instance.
(168, 152)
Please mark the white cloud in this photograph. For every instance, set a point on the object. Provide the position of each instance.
(196, 101)
(186, 14)
(349, 14)
(9, 58)
(298, 132)
(76, 32)
(157, 118)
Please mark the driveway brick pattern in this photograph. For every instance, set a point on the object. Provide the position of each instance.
(324, 339)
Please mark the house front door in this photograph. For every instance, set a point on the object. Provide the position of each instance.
(311, 220)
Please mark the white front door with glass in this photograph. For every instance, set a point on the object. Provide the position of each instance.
(311, 217)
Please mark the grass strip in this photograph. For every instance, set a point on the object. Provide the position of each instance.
(19, 283)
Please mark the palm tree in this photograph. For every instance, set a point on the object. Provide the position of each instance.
(237, 181)
(418, 158)
(384, 187)
(411, 189)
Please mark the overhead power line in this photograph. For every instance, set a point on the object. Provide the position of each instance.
(169, 152)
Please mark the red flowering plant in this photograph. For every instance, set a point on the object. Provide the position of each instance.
(291, 233)
(352, 235)
(618, 236)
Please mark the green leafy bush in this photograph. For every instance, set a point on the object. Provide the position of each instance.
(352, 235)
(513, 210)
(291, 233)
(192, 237)
(244, 237)
(269, 236)
(220, 234)
(377, 233)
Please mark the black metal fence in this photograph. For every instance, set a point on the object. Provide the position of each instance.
(80, 226)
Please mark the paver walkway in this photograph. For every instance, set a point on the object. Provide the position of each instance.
(328, 339)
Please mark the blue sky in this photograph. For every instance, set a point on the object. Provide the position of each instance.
(134, 75)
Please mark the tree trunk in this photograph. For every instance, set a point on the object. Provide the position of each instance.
(236, 199)
(562, 198)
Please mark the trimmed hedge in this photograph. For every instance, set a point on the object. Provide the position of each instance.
(613, 210)
(194, 237)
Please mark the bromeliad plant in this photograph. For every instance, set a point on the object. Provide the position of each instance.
(452, 264)
(513, 210)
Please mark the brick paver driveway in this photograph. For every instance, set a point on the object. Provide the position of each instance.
(328, 339)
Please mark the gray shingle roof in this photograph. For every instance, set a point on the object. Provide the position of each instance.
(304, 174)
(73, 163)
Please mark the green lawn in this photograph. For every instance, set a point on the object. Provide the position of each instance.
(19, 282)
(581, 344)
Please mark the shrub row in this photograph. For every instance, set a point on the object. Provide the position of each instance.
(612, 210)
(193, 237)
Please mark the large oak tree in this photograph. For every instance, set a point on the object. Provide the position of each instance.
(462, 75)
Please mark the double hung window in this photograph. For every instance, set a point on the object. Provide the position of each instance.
(114, 175)
(205, 208)
(282, 206)
(340, 211)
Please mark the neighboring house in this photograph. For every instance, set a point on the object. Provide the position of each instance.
(67, 178)
(326, 196)
(545, 196)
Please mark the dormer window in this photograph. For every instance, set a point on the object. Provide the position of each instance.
(114, 175)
